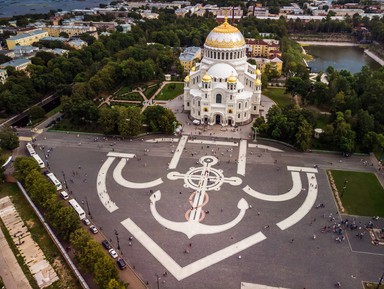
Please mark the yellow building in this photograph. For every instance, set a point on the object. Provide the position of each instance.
(276, 62)
(55, 30)
(26, 39)
(188, 56)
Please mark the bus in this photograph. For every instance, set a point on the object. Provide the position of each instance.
(39, 160)
(55, 181)
(79, 211)
(30, 149)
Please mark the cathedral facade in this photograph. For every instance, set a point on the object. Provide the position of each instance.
(223, 88)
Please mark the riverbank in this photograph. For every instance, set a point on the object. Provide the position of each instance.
(319, 43)
(374, 57)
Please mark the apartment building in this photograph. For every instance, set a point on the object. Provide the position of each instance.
(26, 39)
(55, 30)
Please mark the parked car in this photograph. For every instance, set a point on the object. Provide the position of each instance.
(106, 245)
(86, 222)
(113, 253)
(93, 229)
(121, 263)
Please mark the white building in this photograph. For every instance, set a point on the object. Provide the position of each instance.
(223, 88)
(3, 76)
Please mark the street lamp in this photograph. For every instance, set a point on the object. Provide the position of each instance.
(89, 211)
(117, 240)
(255, 129)
(157, 279)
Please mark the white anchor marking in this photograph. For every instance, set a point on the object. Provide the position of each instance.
(192, 227)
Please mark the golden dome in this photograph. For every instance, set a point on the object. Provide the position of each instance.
(258, 72)
(232, 79)
(257, 82)
(207, 78)
(186, 79)
(193, 68)
(225, 36)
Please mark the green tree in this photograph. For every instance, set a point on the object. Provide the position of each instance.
(65, 221)
(304, 136)
(8, 138)
(36, 112)
(79, 239)
(90, 256)
(105, 270)
(115, 284)
(108, 119)
(23, 166)
(129, 121)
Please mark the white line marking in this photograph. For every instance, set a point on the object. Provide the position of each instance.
(167, 139)
(305, 207)
(257, 286)
(120, 155)
(178, 152)
(101, 187)
(117, 175)
(253, 145)
(241, 162)
(211, 142)
(294, 192)
(183, 272)
(302, 169)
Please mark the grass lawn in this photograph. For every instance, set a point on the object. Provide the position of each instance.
(40, 236)
(124, 90)
(278, 95)
(150, 91)
(167, 93)
(130, 96)
(363, 196)
(126, 104)
(322, 121)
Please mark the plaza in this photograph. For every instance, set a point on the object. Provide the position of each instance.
(204, 212)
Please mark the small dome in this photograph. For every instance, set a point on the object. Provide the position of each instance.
(193, 68)
(186, 79)
(207, 78)
(258, 72)
(232, 79)
(257, 82)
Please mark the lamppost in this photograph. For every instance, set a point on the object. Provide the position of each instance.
(255, 129)
(117, 240)
(89, 211)
(380, 281)
(157, 279)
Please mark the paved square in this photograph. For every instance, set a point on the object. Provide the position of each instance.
(214, 213)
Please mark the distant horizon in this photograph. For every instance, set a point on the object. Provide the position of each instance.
(10, 8)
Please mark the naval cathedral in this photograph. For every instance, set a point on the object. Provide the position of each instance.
(223, 88)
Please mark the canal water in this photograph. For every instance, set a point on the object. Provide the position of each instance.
(351, 58)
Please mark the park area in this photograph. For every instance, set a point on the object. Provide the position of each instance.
(361, 193)
(278, 95)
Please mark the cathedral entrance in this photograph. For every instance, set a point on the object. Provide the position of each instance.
(229, 121)
(218, 119)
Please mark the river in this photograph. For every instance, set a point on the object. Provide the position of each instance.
(351, 58)
(9, 8)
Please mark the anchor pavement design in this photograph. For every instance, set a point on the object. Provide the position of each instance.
(202, 179)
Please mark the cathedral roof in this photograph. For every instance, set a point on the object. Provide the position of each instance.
(225, 36)
(221, 70)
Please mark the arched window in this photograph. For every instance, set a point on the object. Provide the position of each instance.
(218, 98)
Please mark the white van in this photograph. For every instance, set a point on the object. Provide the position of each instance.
(64, 195)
